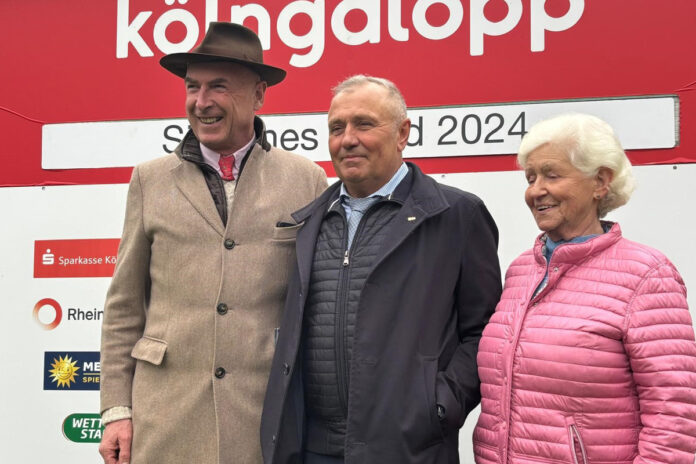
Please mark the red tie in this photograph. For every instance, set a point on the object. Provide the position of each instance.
(226, 165)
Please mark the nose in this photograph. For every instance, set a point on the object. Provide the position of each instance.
(202, 100)
(349, 138)
(537, 188)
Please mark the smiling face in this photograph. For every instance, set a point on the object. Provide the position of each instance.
(221, 99)
(563, 199)
(365, 140)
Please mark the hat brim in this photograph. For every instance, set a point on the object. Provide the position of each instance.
(177, 63)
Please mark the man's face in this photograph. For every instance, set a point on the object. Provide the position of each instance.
(221, 99)
(365, 141)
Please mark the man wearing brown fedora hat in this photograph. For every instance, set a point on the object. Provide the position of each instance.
(191, 314)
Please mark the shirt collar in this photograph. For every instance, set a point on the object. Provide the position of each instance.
(387, 189)
(212, 158)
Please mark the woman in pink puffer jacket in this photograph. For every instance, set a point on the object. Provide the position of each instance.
(590, 355)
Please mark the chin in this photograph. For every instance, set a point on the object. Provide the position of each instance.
(548, 230)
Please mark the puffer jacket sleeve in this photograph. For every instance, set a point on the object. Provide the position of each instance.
(659, 341)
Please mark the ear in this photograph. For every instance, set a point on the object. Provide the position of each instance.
(259, 94)
(602, 179)
(403, 131)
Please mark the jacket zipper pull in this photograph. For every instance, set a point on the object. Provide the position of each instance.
(346, 261)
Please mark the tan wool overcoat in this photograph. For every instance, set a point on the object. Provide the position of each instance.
(191, 314)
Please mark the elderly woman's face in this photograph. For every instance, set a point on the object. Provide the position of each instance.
(562, 199)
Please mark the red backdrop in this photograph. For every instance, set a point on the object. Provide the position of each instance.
(59, 65)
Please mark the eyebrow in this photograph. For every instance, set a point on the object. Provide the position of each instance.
(219, 80)
(545, 167)
(354, 118)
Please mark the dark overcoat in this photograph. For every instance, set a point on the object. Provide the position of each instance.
(421, 313)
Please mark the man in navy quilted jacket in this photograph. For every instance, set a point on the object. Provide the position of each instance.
(396, 277)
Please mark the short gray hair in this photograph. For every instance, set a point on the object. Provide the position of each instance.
(393, 92)
(590, 144)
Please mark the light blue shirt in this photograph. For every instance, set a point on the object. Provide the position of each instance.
(386, 190)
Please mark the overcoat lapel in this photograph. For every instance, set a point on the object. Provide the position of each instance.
(424, 201)
(312, 215)
(190, 181)
(251, 188)
(305, 242)
(407, 220)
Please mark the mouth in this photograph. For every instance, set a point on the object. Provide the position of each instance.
(351, 156)
(209, 120)
(542, 208)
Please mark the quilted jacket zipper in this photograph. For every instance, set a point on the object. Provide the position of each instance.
(343, 367)
(576, 445)
(340, 331)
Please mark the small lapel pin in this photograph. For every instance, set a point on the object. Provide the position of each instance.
(411, 218)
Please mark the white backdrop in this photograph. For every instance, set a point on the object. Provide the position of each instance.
(661, 214)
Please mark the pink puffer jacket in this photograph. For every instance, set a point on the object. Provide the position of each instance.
(599, 367)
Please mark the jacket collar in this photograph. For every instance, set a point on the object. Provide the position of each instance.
(420, 196)
(417, 188)
(189, 149)
(571, 253)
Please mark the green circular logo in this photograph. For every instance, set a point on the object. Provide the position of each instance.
(83, 428)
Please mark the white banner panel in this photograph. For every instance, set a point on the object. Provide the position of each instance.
(640, 122)
(38, 405)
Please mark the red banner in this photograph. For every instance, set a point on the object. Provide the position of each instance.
(75, 61)
(75, 258)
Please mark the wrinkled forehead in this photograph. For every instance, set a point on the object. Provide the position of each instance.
(367, 99)
(548, 156)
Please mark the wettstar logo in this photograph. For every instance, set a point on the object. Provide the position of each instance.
(83, 428)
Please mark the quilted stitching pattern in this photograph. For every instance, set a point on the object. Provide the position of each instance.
(607, 347)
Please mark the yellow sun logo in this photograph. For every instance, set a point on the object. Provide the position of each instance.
(64, 371)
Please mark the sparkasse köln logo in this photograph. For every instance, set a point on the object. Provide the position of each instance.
(48, 313)
(71, 370)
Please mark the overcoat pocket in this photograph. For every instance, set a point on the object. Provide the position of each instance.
(286, 232)
(150, 350)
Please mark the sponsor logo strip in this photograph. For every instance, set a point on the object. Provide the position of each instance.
(648, 122)
(48, 313)
(75, 258)
(71, 370)
(83, 428)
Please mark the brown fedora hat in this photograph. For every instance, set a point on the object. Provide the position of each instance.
(226, 42)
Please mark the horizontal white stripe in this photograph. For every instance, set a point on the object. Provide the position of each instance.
(640, 122)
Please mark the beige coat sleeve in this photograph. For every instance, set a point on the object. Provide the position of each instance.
(320, 182)
(124, 310)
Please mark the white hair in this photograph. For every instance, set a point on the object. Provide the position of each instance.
(590, 144)
(393, 93)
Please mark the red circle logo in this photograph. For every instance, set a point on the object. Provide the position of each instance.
(52, 303)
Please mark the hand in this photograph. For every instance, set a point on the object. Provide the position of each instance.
(115, 446)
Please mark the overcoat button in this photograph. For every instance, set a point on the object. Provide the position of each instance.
(286, 369)
(222, 309)
(219, 372)
(273, 439)
(229, 243)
